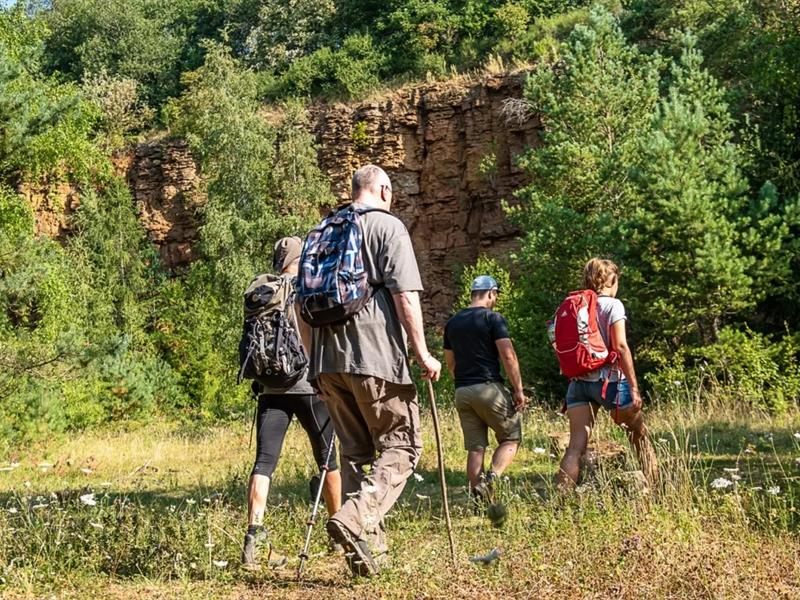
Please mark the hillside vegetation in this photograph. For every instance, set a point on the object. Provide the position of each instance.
(670, 145)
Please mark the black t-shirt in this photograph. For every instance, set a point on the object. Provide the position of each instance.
(471, 335)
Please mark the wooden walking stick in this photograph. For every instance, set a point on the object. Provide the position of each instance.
(440, 456)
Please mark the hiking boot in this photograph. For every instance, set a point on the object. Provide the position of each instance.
(255, 543)
(483, 493)
(356, 552)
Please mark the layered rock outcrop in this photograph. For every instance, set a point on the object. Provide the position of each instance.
(164, 182)
(448, 147)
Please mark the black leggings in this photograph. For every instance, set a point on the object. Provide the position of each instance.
(274, 415)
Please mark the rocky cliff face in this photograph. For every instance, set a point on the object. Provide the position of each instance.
(448, 148)
(165, 186)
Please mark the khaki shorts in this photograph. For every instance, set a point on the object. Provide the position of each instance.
(485, 406)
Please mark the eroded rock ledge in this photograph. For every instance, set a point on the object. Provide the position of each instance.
(448, 148)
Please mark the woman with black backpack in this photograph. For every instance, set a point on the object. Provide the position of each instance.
(277, 406)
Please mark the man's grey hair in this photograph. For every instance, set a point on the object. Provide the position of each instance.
(366, 178)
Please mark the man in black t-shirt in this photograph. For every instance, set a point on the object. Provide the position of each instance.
(476, 341)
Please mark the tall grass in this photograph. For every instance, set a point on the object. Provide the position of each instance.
(162, 511)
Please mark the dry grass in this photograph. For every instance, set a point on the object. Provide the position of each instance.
(173, 503)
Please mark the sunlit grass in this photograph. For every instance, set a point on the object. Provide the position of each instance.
(159, 511)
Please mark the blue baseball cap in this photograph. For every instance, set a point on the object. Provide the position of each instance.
(484, 283)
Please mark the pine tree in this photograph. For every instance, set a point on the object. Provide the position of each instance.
(683, 243)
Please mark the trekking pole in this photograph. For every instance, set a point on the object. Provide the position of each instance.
(313, 518)
(440, 456)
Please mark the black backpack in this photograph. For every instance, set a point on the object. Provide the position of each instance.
(270, 351)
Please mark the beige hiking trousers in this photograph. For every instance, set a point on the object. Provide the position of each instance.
(372, 416)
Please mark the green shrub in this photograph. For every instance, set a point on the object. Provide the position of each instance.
(751, 367)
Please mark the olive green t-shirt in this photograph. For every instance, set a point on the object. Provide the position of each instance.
(373, 341)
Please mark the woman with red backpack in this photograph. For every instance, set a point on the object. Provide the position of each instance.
(613, 385)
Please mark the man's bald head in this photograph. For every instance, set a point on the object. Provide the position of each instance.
(370, 182)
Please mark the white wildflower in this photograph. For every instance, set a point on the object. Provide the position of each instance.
(12, 510)
(505, 478)
(539, 450)
(191, 502)
(27, 484)
(88, 499)
(721, 483)
(419, 477)
(96, 525)
(678, 383)
(735, 477)
(552, 455)
(220, 564)
(797, 435)
(774, 490)
(38, 506)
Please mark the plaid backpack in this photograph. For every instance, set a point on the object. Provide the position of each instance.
(270, 351)
(333, 282)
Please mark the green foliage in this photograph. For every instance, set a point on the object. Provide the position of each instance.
(641, 165)
(690, 270)
(262, 183)
(595, 107)
(350, 71)
(754, 369)
(360, 136)
(148, 41)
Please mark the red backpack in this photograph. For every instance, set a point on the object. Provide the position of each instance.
(575, 335)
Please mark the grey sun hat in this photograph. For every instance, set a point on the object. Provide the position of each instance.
(286, 251)
(484, 283)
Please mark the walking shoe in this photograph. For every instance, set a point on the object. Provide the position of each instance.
(356, 552)
(255, 542)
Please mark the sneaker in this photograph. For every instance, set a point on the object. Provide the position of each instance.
(359, 558)
(255, 544)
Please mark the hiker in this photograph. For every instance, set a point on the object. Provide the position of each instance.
(276, 407)
(360, 362)
(476, 341)
(622, 398)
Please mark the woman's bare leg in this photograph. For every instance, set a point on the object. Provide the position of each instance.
(581, 421)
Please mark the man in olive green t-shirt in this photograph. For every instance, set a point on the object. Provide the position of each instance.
(361, 369)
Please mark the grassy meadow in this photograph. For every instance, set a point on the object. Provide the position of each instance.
(159, 511)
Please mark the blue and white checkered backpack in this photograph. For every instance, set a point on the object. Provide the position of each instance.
(333, 283)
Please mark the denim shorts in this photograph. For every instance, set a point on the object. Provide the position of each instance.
(582, 392)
